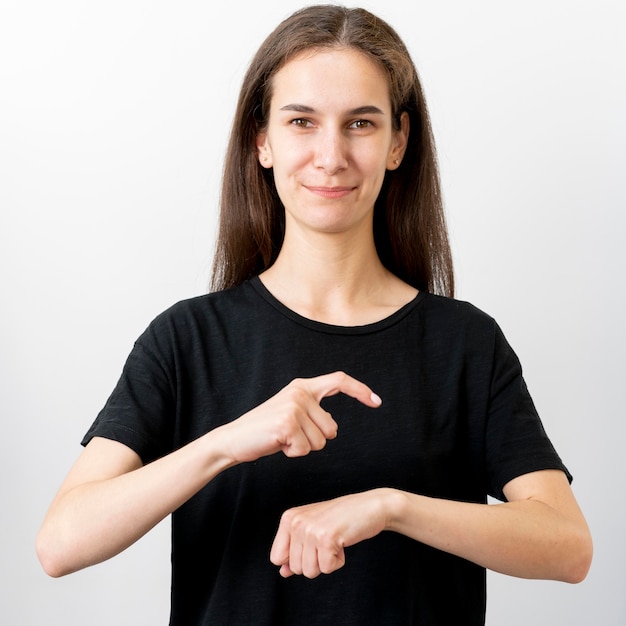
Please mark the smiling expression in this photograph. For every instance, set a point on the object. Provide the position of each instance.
(330, 139)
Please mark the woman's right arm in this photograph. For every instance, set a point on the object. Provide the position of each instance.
(110, 499)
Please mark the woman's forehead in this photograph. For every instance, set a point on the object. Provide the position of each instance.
(340, 75)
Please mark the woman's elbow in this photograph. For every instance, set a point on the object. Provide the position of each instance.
(52, 558)
(580, 557)
(46, 557)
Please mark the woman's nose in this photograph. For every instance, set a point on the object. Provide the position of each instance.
(331, 152)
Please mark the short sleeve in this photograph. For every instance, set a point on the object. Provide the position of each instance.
(516, 441)
(140, 411)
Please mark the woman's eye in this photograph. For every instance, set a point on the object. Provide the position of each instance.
(361, 124)
(301, 122)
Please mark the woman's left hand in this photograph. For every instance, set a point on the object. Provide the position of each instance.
(539, 532)
(311, 538)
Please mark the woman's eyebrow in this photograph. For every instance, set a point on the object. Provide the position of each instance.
(368, 109)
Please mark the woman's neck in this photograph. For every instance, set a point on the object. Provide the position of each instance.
(334, 280)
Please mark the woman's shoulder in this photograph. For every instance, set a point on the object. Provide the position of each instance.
(217, 302)
(199, 315)
(453, 326)
(448, 309)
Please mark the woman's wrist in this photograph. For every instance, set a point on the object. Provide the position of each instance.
(394, 503)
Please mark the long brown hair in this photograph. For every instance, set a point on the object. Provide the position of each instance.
(409, 223)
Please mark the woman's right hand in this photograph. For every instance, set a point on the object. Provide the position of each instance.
(292, 421)
(109, 499)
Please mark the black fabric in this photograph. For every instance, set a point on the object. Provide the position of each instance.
(456, 422)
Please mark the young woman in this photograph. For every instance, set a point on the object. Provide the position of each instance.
(329, 408)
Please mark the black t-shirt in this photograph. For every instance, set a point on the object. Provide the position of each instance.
(456, 422)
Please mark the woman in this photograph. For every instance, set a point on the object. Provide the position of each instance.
(254, 414)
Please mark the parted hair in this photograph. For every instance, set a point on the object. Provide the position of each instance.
(410, 230)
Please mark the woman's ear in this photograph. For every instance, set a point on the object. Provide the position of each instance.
(400, 140)
(263, 150)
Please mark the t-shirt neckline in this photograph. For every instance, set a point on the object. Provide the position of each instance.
(372, 327)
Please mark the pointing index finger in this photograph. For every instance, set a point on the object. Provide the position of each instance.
(340, 382)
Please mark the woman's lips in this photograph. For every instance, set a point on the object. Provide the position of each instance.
(331, 192)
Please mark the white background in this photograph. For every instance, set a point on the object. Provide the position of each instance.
(113, 122)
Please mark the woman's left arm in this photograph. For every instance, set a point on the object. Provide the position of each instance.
(540, 532)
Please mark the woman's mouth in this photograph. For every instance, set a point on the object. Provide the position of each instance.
(331, 193)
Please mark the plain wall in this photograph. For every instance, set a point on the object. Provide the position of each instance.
(113, 122)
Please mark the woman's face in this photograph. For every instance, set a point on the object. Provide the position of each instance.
(330, 139)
